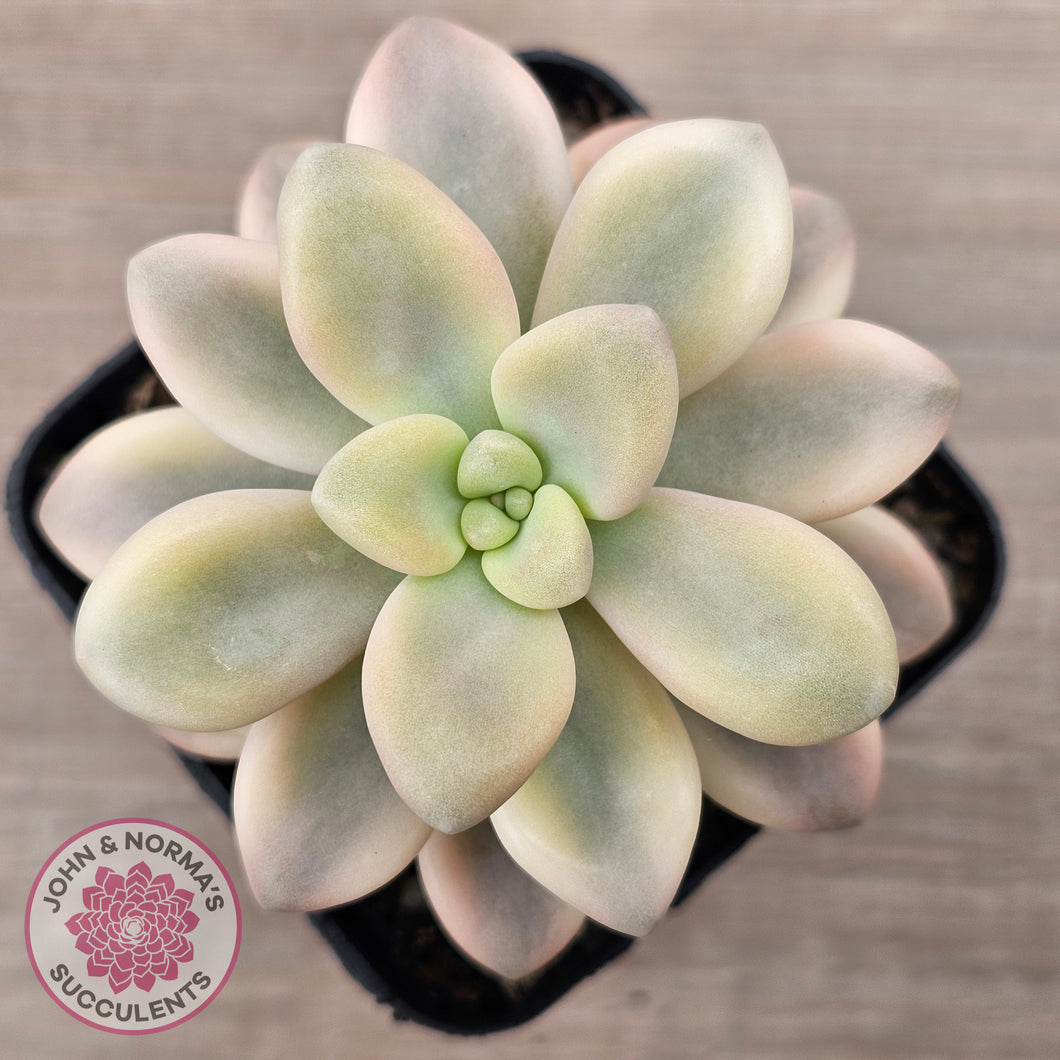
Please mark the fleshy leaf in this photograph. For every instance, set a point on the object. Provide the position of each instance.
(905, 573)
(391, 494)
(485, 526)
(747, 616)
(495, 461)
(608, 820)
(224, 609)
(549, 562)
(822, 261)
(692, 218)
(814, 421)
(224, 746)
(207, 311)
(586, 152)
(471, 119)
(317, 821)
(594, 392)
(260, 194)
(804, 789)
(491, 910)
(394, 298)
(464, 692)
(135, 468)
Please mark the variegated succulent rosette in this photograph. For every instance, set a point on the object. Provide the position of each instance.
(509, 509)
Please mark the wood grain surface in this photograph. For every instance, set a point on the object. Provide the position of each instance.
(931, 931)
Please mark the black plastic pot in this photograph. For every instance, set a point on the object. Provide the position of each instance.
(389, 941)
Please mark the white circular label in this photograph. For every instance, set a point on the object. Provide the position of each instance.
(133, 926)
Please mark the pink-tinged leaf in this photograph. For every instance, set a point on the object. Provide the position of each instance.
(464, 693)
(208, 312)
(395, 300)
(814, 421)
(490, 908)
(748, 616)
(317, 821)
(820, 787)
(822, 261)
(906, 575)
(471, 119)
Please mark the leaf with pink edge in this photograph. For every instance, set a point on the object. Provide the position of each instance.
(394, 298)
(209, 617)
(491, 910)
(814, 421)
(822, 260)
(207, 311)
(747, 616)
(471, 119)
(805, 789)
(585, 152)
(608, 820)
(464, 693)
(260, 193)
(692, 218)
(317, 821)
(906, 575)
(135, 468)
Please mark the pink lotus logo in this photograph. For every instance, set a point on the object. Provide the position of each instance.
(134, 927)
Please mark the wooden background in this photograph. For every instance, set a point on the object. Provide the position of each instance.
(932, 931)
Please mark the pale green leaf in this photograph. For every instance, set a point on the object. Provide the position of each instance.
(691, 218)
(804, 789)
(822, 260)
(594, 392)
(815, 421)
(207, 311)
(749, 617)
(391, 494)
(906, 575)
(494, 461)
(471, 119)
(317, 821)
(394, 298)
(225, 608)
(260, 193)
(136, 468)
(464, 692)
(549, 562)
(490, 909)
(485, 526)
(609, 818)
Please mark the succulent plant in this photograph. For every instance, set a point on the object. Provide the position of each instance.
(508, 516)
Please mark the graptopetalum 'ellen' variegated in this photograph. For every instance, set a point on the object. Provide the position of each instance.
(477, 473)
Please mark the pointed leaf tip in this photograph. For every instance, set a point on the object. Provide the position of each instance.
(609, 818)
(804, 789)
(395, 300)
(317, 821)
(493, 911)
(431, 85)
(224, 609)
(207, 311)
(814, 421)
(751, 618)
(692, 218)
